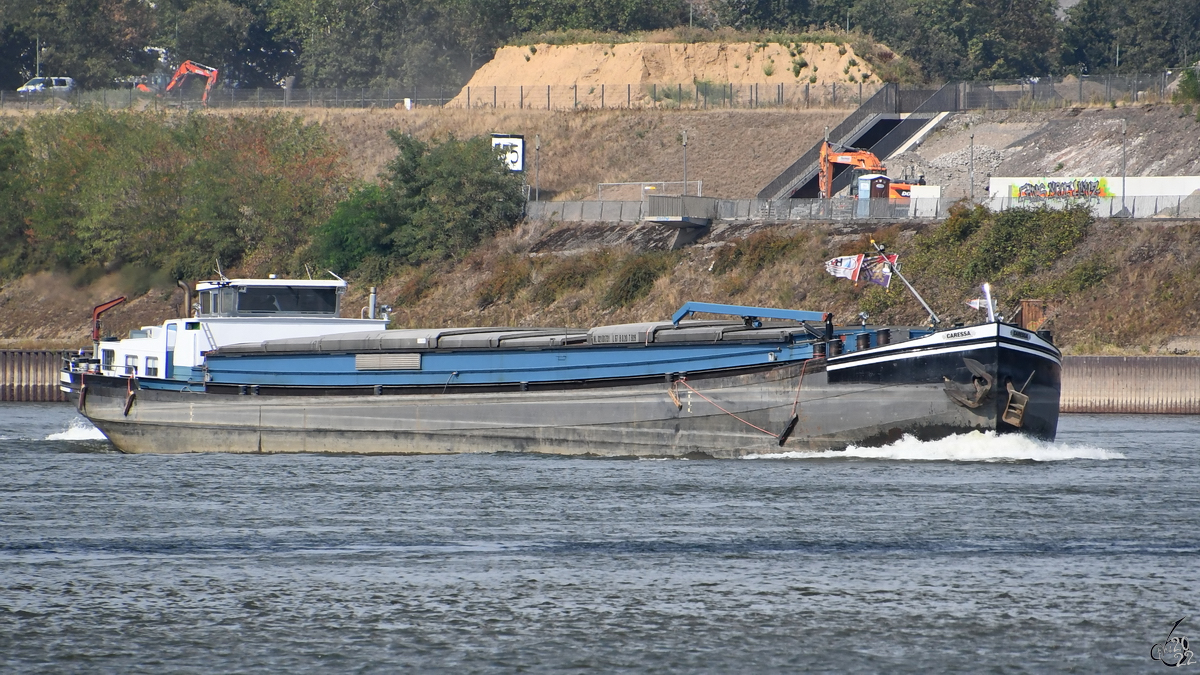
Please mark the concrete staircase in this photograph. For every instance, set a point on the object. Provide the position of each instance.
(884, 124)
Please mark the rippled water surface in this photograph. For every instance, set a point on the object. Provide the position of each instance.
(974, 553)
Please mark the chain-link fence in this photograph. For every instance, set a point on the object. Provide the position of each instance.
(1030, 94)
(1052, 92)
(698, 95)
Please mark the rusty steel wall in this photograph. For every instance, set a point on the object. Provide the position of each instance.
(1131, 384)
(30, 375)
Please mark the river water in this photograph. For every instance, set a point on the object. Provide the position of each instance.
(979, 553)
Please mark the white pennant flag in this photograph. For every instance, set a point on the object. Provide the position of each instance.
(846, 266)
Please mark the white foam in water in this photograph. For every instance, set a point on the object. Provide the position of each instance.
(971, 447)
(79, 430)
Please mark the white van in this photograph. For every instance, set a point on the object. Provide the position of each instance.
(60, 86)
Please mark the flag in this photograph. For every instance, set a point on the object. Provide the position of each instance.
(977, 303)
(846, 266)
(876, 269)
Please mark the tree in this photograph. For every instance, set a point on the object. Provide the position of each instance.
(438, 201)
(14, 194)
(1151, 34)
(93, 41)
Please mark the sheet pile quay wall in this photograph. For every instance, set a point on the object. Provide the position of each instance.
(1090, 384)
(1131, 384)
(30, 375)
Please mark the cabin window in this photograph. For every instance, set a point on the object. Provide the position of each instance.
(227, 301)
(287, 300)
(106, 358)
(131, 366)
(206, 302)
(151, 366)
(191, 325)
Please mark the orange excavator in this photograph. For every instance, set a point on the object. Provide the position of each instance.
(863, 160)
(190, 68)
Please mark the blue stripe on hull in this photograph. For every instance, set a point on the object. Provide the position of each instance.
(500, 367)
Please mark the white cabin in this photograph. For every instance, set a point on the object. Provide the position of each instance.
(232, 312)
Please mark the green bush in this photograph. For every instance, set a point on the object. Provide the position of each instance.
(1189, 87)
(753, 253)
(570, 274)
(437, 202)
(357, 230)
(14, 196)
(975, 245)
(508, 278)
(174, 193)
(634, 278)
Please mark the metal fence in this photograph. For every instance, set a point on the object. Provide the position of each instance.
(644, 189)
(1031, 93)
(1052, 92)
(772, 210)
(544, 97)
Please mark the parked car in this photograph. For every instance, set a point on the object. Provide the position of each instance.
(60, 86)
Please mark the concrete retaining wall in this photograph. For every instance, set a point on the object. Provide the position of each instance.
(590, 211)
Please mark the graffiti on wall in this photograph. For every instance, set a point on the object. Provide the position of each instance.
(1068, 188)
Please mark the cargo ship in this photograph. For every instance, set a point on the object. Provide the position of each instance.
(270, 366)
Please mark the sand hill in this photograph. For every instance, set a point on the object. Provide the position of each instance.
(629, 69)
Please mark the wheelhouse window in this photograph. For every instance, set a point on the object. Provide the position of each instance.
(258, 300)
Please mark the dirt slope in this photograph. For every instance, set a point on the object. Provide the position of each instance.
(643, 63)
(734, 152)
(1160, 141)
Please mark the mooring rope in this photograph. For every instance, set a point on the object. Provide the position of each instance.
(683, 380)
(796, 401)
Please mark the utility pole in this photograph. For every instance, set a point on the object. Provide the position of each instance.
(37, 48)
(971, 170)
(537, 167)
(685, 162)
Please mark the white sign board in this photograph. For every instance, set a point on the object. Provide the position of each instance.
(512, 149)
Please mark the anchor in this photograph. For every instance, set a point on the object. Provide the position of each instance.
(982, 388)
(1014, 411)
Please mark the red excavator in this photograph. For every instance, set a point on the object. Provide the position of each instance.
(863, 160)
(190, 68)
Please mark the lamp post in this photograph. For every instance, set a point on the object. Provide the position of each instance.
(1124, 128)
(685, 162)
(971, 169)
(537, 167)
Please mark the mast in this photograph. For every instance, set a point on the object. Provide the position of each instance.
(933, 317)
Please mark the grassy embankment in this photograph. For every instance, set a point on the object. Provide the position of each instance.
(1110, 286)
